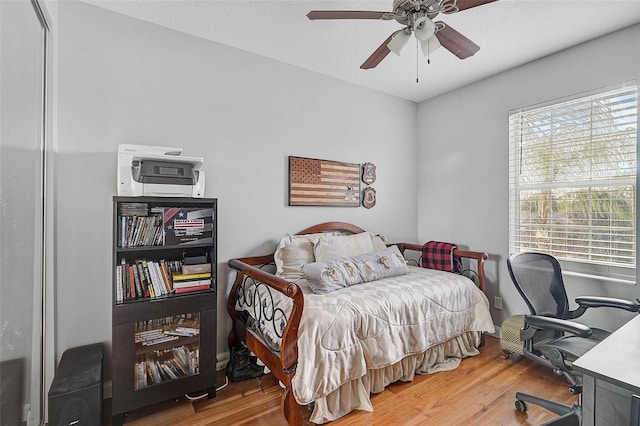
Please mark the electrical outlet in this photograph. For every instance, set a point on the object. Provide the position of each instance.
(497, 302)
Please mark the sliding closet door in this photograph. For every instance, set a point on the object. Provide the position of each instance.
(22, 147)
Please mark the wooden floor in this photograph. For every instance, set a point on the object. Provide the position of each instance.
(479, 392)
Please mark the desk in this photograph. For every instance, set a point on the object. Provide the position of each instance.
(611, 379)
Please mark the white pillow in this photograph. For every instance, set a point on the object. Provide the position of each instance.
(378, 242)
(294, 240)
(330, 247)
(293, 257)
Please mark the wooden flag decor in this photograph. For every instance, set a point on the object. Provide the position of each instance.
(323, 183)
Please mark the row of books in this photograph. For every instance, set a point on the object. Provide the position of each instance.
(193, 278)
(141, 226)
(188, 319)
(138, 231)
(156, 336)
(161, 366)
(150, 279)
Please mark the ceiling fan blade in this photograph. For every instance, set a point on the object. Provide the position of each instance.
(379, 54)
(468, 4)
(455, 42)
(349, 14)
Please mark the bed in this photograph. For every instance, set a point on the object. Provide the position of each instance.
(333, 340)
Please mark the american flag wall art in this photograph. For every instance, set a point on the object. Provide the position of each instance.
(314, 182)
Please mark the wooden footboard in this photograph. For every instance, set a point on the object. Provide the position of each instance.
(282, 359)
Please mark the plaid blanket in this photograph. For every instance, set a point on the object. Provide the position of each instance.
(439, 255)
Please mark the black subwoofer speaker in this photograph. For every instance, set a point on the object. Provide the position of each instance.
(75, 396)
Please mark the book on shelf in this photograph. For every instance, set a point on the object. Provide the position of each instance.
(192, 283)
(133, 209)
(179, 333)
(132, 285)
(199, 268)
(119, 295)
(154, 337)
(137, 283)
(186, 286)
(166, 281)
(162, 334)
(179, 321)
(188, 277)
(183, 331)
(188, 225)
(188, 289)
(195, 258)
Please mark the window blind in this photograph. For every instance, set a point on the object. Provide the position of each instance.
(572, 178)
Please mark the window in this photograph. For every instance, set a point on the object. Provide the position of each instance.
(572, 182)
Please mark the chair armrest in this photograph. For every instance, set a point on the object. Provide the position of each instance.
(548, 323)
(607, 302)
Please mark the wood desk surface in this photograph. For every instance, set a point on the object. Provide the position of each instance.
(617, 358)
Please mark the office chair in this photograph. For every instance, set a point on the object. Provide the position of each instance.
(549, 337)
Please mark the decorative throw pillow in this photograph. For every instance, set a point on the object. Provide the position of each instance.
(288, 240)
(330, 247)
(293, 257)
(325, 277)
(378, 243)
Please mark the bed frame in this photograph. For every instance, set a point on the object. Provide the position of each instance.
(283, 363)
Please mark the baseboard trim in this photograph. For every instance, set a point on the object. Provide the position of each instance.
(497, 333)
(223, 360)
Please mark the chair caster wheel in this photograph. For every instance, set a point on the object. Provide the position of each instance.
(575, 389)
(521, 406)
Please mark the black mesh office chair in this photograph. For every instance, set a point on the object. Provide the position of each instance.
(548, 337)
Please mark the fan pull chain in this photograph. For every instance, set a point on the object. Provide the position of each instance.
(417, 62)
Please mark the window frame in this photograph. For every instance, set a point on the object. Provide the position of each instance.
(571, 267)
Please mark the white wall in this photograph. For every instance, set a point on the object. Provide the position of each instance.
(121, 80)
(463, 154)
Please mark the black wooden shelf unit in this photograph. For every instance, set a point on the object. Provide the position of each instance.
(164, 300)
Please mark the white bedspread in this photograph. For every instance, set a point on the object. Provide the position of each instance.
(373, 325)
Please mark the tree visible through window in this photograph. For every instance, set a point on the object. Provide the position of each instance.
(573, 179)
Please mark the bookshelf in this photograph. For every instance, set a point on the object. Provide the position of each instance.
(164, 300)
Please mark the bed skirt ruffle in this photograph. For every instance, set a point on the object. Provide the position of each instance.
(355, 395)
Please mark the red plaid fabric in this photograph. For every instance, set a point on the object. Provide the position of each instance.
(439, 255)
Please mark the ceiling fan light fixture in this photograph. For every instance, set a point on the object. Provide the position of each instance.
(424, 28)
(416, 16)
(429, 46)
(399, 42)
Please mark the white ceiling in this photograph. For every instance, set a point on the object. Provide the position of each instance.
(509, 33)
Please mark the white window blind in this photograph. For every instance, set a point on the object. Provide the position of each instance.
(572, 189)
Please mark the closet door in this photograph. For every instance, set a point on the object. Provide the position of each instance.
(23, 33)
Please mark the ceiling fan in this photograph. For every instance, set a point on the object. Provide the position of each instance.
(417, 18)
